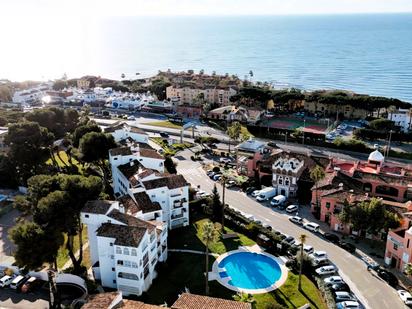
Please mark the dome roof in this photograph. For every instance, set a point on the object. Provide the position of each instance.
(376, 156)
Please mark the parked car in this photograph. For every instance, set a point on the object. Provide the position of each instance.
(292, 208)
(17, 282)
(217, 177)
(289, 240)
(320, 261)
(296, 219)
(255, 193)
(318, 255)
(332, 237)
(5, 281)
(311, 226)
(249, 190)
(347, 246)
(278, 200)
(326, 270)
(164, 135)
(29, 285)
(230, 183)
(131, 118)
(340, 287)
(405, 296)
(350, 304)
(266, 194)
(341, 296)
(387, 276)
(332, 280)
(306, 248)
(225, 160)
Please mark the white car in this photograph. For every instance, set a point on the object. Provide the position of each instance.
(292, 208)
(344, 296)
(255, 193)
(306, 248)
(225, 160)
(405, 296)
(311, 226)
(348, 305)
(131, 118)
(296, 219)
(319, 261)
(318, 255)
(326, 270)
(333, 280)
(5, 281)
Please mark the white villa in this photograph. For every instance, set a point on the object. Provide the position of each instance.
(286, 172)
(402, 118)
(122, 131)
(124, 250)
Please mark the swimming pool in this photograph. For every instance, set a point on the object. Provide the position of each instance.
(250, 271)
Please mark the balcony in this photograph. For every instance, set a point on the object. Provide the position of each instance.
(145, 259)
(178, 216)
(178, 222)
(146, 272)
(179, 203)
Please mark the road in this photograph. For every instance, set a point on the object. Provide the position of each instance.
(203, 130)
(372, 291)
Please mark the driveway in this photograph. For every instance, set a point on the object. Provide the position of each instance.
(11, 299)
(372, 291)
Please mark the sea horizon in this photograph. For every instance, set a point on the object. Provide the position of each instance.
(368, 53)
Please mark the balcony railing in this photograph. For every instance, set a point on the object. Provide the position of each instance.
(178, 216)
(145, 259)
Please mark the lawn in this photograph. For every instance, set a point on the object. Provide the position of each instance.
(63, 254)
(245, 132)
(184, 270)
(172, 149)
(65, 162)
(164, 124)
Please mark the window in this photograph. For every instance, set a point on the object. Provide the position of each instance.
(111, 244)
(134, 252)
(280, 181)
(112, 257)
(119, 262)
(113, 269)
(407, 244)
(395, 247)
(114, 281)
(134, 265)
(327, 205)
(127, 263)
(287, 181)
(126, 251)
(86, 216)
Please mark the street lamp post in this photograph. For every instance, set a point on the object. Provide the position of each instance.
(389, 143)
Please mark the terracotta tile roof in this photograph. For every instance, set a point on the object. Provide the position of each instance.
(172, 182)
(129, 236)
(149, 153)
(120, 151)
(130, 170)
(114, 127)
(136, 130)
(192, 301)
(129, 220)
(132, 304)
(144, 203)
(101, 301)
(97, 206)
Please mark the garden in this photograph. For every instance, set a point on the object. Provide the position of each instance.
(185, 271)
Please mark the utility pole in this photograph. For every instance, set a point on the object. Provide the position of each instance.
(303, 132)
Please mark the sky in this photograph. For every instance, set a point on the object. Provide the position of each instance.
(40, 8)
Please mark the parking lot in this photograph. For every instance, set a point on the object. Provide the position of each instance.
(12, 299)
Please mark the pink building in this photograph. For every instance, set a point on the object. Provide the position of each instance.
(399, 242)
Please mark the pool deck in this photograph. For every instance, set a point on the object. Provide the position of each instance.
(214, 274)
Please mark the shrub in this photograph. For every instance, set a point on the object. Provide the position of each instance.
(326, 293)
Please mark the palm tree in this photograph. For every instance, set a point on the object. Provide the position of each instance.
(244, 297)
(302, 239)
(234, 131)
(391, 110)
(208, 236)
(223, 182)
(408, 269)
(317, 174)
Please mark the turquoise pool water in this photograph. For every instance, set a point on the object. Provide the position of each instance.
(249, 270)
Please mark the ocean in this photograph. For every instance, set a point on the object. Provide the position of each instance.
(369, 54)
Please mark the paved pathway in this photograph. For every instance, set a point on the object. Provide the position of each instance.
(192, 251)
(372, 291)
(69, 261)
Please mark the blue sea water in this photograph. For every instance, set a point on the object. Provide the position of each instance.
(366, 53)
(250, 270)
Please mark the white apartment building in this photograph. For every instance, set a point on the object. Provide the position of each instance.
(188, 95)
(286, 173)
(32, 95)
(122, 131)
(124, 250)
(137, 171)
(402, 118)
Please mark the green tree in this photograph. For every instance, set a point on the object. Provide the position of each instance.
(209, 235)
(408, 269)
(317, 174)
(370, 216)
(302, 239)
(59, 85)
(29, 146)
(170, 165)
(233, 131)
(94, 148)
(216, 204)
(34, 245)
(7, 173)
(382, 124)
(82, 130)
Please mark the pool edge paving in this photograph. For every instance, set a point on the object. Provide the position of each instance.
(214, 274)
